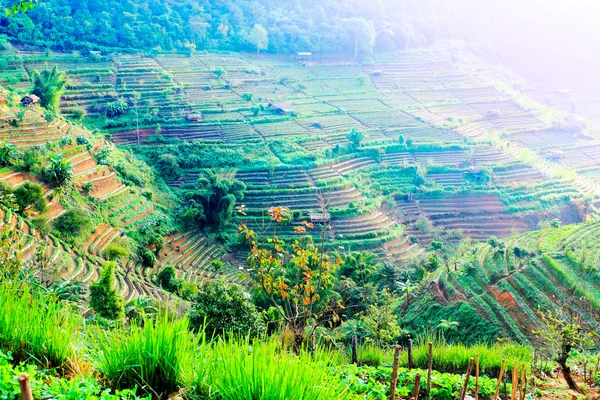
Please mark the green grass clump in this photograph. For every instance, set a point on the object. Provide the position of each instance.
(34, 327)
(159, 357)
(455, 357)
(243, 369)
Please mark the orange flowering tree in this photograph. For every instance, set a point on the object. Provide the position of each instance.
(295, 276)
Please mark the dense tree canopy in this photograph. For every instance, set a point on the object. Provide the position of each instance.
(290, 25)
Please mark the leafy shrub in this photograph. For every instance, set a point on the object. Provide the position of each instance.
(9, 155)
(223, 308)
(32, 160)
(30, 196)
(41, 225)
(147, 257)
(58, 172)
(65, 141)
(104, 299)
(72, 224)
(115, 252)
(116, 108)
(82, 140)
(78, 114)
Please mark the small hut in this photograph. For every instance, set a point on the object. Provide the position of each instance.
(320, 218)
(195, 117)
(30, 100)
(304, 57)
(281, 108)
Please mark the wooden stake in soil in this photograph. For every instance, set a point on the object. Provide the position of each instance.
(514, 382)
(410, 356)
(463, 392)
(429, 367)
(477, 377)
(499, 381)
(354, 353)
(523, 385)
(25, 387)
(395, 373)
(417, 387)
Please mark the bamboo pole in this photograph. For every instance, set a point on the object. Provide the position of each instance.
(395, 373)
(514, 382)
(463, 392)
(417, 388)
(410, 354)
(499, 381)
(523, 382)
(477, 377)
(25, 387)
(429, 367)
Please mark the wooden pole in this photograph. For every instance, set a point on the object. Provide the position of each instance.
(477, 377)
(499, 381)
(463, 392)
(523, 381)
(417, 388)
(25, 387)
(514, 382)
(410, 355)
(354, 352)
(596, 370)
(395, 373)
(429, 367)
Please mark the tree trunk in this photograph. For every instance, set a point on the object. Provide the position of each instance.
(298, 341)
(566, 371)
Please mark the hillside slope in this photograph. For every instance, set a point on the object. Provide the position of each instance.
(558, 269)
(114, 191)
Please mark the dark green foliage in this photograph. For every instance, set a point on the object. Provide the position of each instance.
(116, 108)
(32, 160)
(115, 252)
(147, 257)
(9, 155)
(424, 315)
(166, 277)
(58, 172)
(247, 96)
(225, 308)
(72, 224)
(211, 202)
(168, 166)
(240, 26)
(48, 85)
(104, 298)
(356, 137)
(30, 196)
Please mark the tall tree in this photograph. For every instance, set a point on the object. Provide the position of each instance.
(48, 85)
(104, 298)
(211, 201)
(259, 37)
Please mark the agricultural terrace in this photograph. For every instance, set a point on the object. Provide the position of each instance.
(507, 287)
(118, 205)
(449, 150)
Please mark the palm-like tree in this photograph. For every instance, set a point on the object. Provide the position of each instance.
(48, 85)
(447, 325)
(59, 171)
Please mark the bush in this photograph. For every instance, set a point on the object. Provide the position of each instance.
(115, 252)
(147, 257)
(225, 308)
(58, 172)
(104, 299)
(30, 196)
(32, 160)
(72, 224)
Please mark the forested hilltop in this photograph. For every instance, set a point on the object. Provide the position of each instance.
(285, 26)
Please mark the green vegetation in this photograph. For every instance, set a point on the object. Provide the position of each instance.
(48, 85)
(104, 299)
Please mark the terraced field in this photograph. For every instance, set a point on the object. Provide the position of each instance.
(450, 149)
(508, 291)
